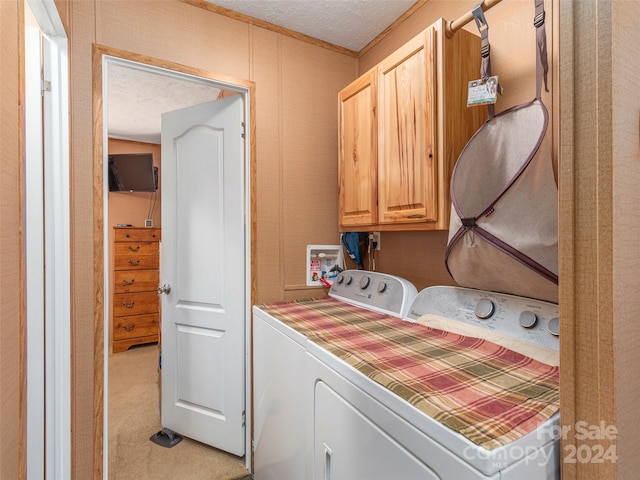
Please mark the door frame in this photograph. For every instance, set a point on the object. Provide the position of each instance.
(47, 244)
(102, 56)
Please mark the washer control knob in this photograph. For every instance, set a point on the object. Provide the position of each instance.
(348, 279)
(340, 279)
(382, 287)
(528, 319)
(484, 309)
(365, 282)
(554, 326)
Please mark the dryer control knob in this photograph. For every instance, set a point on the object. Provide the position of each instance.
(484, 309)
(365, 282)
(528, 319)
(348, 279)
(382, 287)
(554, 326)
(340, 279)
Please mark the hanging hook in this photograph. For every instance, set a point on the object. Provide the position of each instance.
(478, 16)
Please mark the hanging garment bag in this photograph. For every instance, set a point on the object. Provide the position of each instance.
(503, 233)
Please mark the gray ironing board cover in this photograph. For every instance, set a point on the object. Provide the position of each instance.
(503, 232)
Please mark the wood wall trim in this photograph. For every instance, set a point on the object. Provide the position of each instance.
(168, 65)
(566, 230)
(270, 26)
(588, 366)
(98, 269)
(605, 224)
(416, 6)
(98, 211)
(22, 436)
(301, 36)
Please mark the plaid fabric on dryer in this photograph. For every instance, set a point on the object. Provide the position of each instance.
(486, 392)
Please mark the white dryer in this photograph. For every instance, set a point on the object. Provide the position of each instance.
(322, 411)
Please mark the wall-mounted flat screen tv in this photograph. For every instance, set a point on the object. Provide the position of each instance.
(132, 172)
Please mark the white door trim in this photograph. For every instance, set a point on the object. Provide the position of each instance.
(34, 244)
(48, 242)
(106, 60)
(58, 254)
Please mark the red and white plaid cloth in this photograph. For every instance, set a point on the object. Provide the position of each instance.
(486, 392)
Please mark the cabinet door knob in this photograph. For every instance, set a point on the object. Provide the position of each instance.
(133, 263)
(129, 327)
(134, 249)
(128, 282)
(128, 305)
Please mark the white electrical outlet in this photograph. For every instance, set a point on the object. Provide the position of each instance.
(148, 223)
(374, 238)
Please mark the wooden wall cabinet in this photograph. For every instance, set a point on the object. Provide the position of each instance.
(402, 126)
(136, 307)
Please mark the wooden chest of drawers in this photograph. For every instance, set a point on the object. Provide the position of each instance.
(135, 306)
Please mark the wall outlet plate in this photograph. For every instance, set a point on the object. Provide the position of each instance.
(374, 238)
(148, 222)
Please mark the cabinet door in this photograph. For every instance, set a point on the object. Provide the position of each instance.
(407, 167)
(358, 155)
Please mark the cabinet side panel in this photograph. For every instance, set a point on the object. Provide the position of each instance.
(458, 122)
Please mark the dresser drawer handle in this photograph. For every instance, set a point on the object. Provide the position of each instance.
(134, 249)
(128, 282)
(129, 327)
(128, 305)
(133, 263)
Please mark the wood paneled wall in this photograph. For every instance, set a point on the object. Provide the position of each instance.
(625, 255)
(296, 89)
(600, 258)
(133, 207)
(12, 420)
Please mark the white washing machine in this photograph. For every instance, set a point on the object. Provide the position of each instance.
(317, 416)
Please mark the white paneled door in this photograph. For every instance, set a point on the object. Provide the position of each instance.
(203, 269)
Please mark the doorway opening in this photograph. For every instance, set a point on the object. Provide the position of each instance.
(106, 59)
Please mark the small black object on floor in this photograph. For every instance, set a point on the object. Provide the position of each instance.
(166, 438)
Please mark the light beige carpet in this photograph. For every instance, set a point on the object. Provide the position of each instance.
(134, 415)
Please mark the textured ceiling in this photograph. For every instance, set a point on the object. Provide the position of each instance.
(137, 98)
(350, 24)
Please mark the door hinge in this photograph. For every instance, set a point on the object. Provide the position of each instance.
(45, 86)
(244, 130)
(244, 418)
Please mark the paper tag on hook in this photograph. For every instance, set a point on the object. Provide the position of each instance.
(483, 91)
